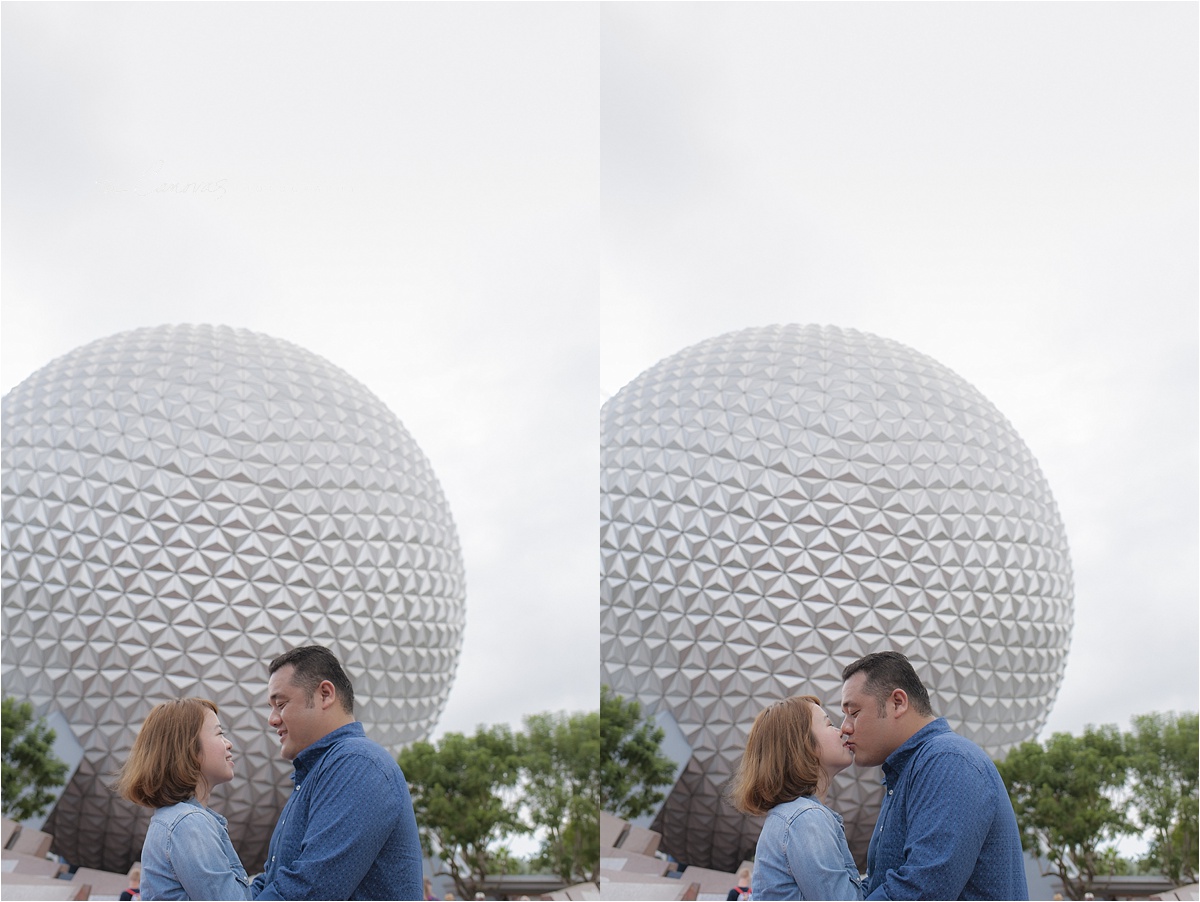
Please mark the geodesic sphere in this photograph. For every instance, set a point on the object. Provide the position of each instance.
(183, 503)
(780, 501)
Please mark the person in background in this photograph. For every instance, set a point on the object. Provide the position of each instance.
(347, 830)
(133, 892)
(793, 752)
(947, 828)
(179, 755)
(742, 890)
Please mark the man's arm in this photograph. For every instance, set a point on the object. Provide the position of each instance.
(949, 813)
(351, 815)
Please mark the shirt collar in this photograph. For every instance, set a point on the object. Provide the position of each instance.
(894, 766)
(307, 759)
(194, 801)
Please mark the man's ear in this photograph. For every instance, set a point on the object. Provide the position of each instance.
(897, 702)
(326, 694)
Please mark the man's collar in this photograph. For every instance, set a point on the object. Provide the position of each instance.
(305, 761)
(896, 761)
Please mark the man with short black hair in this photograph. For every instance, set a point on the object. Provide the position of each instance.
(347, 830)
(946, 829)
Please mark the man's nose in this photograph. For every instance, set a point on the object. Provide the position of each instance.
(847, 729)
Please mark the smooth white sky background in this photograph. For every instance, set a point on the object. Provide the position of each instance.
(1009, 188)
(496, 215)
(409, 191)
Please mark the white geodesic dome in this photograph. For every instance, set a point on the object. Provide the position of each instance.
(180, 505)
(779, 501)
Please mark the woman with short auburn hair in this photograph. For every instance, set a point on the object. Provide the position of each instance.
(179, 756)
(792, 754)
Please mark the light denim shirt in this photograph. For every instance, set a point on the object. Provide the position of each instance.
(187, 855)
(802, 854)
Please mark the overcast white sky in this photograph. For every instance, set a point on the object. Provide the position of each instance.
(409, 192)
(496, 215)
(1009, 188)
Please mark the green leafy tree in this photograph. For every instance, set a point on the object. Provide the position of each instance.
(458, 789)
(1065, 795)
(30, 768)
(561, 758)
(1164, 756)
(1110, 861)
(632, 765)
(503, 861)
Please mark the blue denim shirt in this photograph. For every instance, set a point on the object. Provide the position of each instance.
(947, 828)
(187, 855)
(802, 854)
(347, 830)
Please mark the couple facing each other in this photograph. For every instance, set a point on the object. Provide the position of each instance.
(946, 829)
(347, 830)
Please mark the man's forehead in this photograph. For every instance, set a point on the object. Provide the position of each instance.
(279, 682)
(850, 687)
